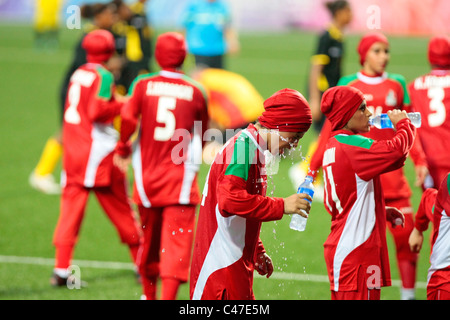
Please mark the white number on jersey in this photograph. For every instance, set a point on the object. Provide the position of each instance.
(329, 180)
(71, 115)
(166, 116)
(437, 105)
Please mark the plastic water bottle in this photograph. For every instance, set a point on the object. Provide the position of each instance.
(382, 121)
(297, 221)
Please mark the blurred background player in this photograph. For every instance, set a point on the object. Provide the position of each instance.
(385, 91)
(325, 72)
(133, 53)
(140, 30)
(209, 35)
(46, 23)
(326, 63)
(430, 95)
(89, 140)
(207, 25)
(353, 165)
(102, 16)
(435, 206)
(172, 109)
(134, 43)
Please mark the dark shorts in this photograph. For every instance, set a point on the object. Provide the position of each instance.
(209, 61)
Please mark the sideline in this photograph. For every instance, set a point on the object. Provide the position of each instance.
(130, 266)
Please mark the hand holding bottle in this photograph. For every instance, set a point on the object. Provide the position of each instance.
(298, 222)
(297, 204)
(396, 115)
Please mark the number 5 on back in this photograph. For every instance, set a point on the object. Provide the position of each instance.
(165, 115)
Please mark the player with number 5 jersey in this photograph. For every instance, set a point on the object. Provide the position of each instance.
(430, 95)
(173, 114)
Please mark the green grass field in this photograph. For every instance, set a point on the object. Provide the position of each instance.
(29, 82)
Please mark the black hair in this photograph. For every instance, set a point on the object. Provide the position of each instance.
(89, 11)
(118, 3)
(335, 6)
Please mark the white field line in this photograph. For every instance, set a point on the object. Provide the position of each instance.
(130, 266)
(82, 263)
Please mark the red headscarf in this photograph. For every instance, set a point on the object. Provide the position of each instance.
(170, 50)
(439, 51)
(367, 41)
(286, 110)
(99, 46)
(339, 104)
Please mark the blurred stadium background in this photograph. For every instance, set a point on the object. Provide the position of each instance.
(401, 17)
(277, 39)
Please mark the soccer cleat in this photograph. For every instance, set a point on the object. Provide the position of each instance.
(45, 184)
(138, 276)
(58, 281)
(69, 282)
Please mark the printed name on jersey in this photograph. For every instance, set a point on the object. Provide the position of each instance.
(83, 77)
(170, 90)
(432, 81)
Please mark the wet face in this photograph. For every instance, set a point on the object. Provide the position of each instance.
(280, 140)
(377, 58)
(359, 123)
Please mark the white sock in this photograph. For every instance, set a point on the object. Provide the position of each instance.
(408, 294)
(62, 272)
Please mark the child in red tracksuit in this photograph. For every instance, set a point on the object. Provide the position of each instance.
(435, 206)
(356, 251)
(430, 95)
(171, 110)
(227, 246)
(89, 140)
(383, 92)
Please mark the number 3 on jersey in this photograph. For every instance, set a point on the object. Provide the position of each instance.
(165, 115)
(437, 96)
